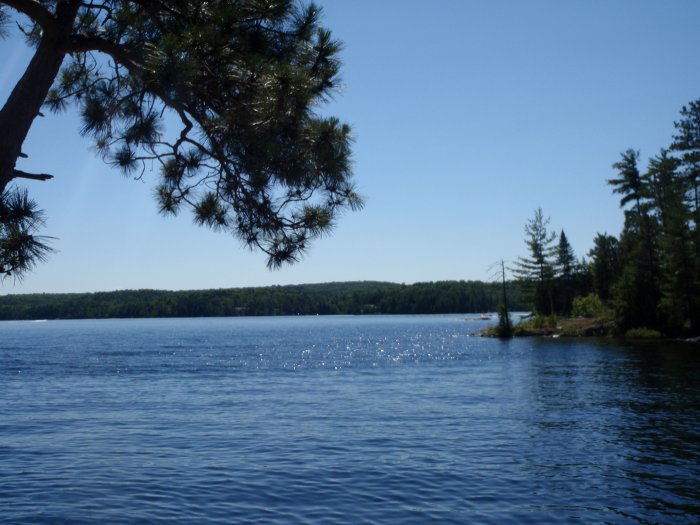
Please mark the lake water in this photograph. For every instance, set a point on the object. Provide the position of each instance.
(335, 420)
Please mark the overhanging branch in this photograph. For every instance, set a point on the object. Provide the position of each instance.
(18, 174)
(84, 44)
(33, 10)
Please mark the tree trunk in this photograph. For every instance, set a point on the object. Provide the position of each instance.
(24, 104)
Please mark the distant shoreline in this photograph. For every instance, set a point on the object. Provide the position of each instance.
(337, 298)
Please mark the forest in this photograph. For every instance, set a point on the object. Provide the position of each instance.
(649, 275)
(366, 297)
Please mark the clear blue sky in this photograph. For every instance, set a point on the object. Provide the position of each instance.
(468, 115)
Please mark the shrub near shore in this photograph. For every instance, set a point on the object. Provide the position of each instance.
(601, 325)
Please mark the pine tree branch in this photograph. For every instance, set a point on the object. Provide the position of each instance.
(18, 174)
(84, 44)
(33, 10)
(157, 8)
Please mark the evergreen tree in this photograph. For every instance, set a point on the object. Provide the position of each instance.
(663, 186)
(605, 266)
(582, 278)
(566, 260)
(636, 294)
(655, 266)
(242, 77)
(538, 268)
(566, 266)
(20, 246)
(687, 143)
(667, 188)
(629, 183)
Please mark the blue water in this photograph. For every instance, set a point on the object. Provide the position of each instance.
(335, 420)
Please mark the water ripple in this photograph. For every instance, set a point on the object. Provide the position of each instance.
(341, 420)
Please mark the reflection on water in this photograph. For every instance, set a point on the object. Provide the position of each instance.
(635, 409)
(339, 420)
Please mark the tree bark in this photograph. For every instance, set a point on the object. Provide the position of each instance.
(24, 103)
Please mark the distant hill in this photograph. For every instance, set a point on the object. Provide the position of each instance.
(360, 297)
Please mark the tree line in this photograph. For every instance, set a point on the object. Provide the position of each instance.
(649, 275)
(551, 274)
(366, 297)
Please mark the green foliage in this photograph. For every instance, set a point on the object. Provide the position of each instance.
(643, 333)
(587, 306)
(566, 271)
(538, 268)
(537, 325)
(311, 299)
(686, 143)
(636, 292)
(676, 257)
(635, 295)
(551, 272)
(629, 181)
(544, 322)
(252, 156)
(651, 276)
(565, 258)
(20, 247)
(605, 266)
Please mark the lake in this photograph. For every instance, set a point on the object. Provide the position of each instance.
(335, 420)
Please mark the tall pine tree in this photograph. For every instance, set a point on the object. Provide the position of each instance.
(605, 265)
(566, 267)
(537, 269)
(636, 293)
(686, 142)
(242, 79)
(667, 190)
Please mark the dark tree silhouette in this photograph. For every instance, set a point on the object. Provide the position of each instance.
(538, 267)
(244, 80)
